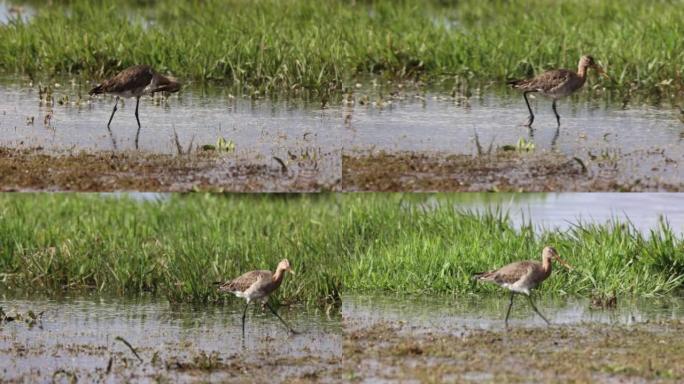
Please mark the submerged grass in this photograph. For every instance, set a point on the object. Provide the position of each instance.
(357, 243)
(272, 45)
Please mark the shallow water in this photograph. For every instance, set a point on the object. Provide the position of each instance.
(460, 313)
(411, 119)
(78, 334)
(463, 339)
(11, 12)
(632, 143)
(646, 211)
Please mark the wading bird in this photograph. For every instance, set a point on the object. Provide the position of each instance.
(257, 286)
(522, 276)
(135, 81)
(556, 84)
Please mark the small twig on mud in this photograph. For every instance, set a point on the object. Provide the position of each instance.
(121, 339)
(477, 144)
(283, 167)
(480, 151)
(109, 365)
(179, 147)
(192, 140)
(70, 375)
(581, 163)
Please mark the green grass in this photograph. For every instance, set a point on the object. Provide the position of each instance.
(336, 243)
(294, 45)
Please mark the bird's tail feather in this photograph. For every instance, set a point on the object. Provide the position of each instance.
(167, 84)
(516, 83)
(97, 90)
(478, 275)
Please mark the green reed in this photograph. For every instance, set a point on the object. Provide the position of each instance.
(323, 47)
(337, 244)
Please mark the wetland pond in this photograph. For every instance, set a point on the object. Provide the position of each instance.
(371, 338)
(394, 137)
(77, 336)
(463, 339)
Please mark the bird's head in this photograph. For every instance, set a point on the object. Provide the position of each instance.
(284, 265)
(173, 85)
(550, 253)
(587, 61)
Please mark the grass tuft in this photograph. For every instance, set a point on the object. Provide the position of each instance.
(272, 45)
(337, 244)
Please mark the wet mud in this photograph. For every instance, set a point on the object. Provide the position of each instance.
(88, 340)
(464, 339)
(504, 170)
(39, 170)
(394, 352)
(501, 170)
(379, 137)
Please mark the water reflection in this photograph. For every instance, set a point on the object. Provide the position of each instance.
(454, 314)
(80, 333)
(10, 12)
(646, 211)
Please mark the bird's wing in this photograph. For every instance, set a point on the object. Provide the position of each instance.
(242, 283)
(550, 80)
(138, 76)
(509, 274)
(164, 84)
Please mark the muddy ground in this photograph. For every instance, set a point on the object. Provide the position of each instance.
(582, 353)
(83, 340)
(177, 363)
(502, 170)
(103, 171)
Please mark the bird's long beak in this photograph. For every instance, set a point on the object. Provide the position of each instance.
(601, 72)
(563, 263)
(291, 271)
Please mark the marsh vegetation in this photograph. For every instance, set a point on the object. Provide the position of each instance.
(299, 46)
(338, 244)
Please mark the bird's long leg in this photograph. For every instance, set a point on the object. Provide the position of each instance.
(244, 315)
(113, 111)
(111, 134)
(510, 305)
(137, 133)
(553, 106)
(280, 318)
(536, 310)
(137, 137)
(554, 139)
(137, 104)
(531, 118)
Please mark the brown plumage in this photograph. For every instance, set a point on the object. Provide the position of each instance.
(522, 276)
(556, 84)
(257, 286)
(135, 81)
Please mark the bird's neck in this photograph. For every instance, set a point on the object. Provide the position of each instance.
(582, 72)
(546, 266)
(278, 276)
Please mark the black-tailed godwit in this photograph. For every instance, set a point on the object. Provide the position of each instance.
(135, 81)
(257, 286)
(556, 84)
(522, 276)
